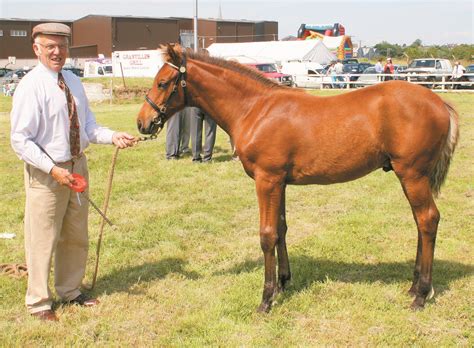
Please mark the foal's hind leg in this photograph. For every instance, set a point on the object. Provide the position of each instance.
(418, 193)
(284, 274)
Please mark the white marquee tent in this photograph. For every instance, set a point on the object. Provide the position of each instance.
(273, 51)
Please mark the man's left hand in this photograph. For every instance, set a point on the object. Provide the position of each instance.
(123, 140)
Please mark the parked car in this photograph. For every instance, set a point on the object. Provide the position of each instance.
(354, 70)
(369, 76)
(3, 71)
(469, 76)
(76, 71)
(428, 70)
(14, 75)
(270, 71)
(350, 61)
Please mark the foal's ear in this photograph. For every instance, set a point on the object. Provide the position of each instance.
(174, 53)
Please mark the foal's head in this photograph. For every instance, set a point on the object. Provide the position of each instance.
(167, 94)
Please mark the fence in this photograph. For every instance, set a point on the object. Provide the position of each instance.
(348, 81)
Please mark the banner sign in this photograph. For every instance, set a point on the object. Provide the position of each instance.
(142, 63)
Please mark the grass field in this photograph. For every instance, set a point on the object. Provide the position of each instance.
(184, 267)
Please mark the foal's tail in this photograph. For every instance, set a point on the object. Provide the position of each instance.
(440, 171)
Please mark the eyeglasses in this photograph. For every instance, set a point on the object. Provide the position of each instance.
(51, 48)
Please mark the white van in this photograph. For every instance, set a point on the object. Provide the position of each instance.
(306, 74)
(97, 69)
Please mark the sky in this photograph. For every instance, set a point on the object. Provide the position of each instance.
(368, 22)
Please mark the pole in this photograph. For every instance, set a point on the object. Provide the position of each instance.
(196, 25)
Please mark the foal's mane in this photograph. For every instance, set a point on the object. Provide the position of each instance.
(173, 54)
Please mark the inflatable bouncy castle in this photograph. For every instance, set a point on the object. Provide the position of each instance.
(333, 36)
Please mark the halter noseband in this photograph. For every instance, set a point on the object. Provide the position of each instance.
(159, 120)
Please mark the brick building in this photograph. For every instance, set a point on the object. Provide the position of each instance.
(94, 34)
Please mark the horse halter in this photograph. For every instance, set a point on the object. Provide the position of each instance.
(159, 120)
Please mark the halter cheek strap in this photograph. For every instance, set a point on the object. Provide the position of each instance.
(159, 120)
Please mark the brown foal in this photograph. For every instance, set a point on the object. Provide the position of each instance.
(284, 136)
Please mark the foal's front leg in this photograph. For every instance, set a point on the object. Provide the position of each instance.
(269, 199)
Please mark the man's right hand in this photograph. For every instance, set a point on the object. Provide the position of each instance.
(62, 176)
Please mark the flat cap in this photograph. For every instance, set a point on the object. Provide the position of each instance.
(51, 29)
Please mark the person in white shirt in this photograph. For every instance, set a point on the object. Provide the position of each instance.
(339, 69)
(51, 126)
(379, 69)
(458, 72)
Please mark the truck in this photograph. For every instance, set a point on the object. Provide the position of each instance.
(427, 71)
(307, 74)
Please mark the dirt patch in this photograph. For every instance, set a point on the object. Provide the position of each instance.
(130, 93)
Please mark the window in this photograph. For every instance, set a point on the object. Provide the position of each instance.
(1, 32)
(18, 33)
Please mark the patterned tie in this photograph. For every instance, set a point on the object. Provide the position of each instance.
(74, 138)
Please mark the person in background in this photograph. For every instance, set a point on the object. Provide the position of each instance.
(332, 72)
(51, 126)
(185, 137)
(379, 69)
(389, 69)
(339, 69)
(173, 133)
(178, 134)
(198, 120)
(458, 72)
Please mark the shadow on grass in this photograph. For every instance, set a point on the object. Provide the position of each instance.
(308, 270)
(125, 278)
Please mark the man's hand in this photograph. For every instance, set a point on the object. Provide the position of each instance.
(62, 176)
(123, 140)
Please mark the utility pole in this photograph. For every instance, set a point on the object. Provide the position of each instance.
(196, 26)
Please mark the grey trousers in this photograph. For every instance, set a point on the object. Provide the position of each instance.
(198, 119)
(178, 133)
(185, 135)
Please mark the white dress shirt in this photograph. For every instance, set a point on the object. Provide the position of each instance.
(40, 116)
(458, 71)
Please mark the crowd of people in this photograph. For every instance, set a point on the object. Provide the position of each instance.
(336, 72)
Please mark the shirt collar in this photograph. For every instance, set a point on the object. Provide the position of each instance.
(46, 70)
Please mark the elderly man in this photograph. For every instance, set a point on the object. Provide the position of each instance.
(51, 126)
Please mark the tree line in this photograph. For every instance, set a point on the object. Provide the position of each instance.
(417, 50)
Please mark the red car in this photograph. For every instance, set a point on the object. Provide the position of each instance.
(269, 70)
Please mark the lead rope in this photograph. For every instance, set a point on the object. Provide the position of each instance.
(106, 205)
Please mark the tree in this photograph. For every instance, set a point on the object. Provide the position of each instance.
(416, 43)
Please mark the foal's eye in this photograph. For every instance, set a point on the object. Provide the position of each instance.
(162, 84)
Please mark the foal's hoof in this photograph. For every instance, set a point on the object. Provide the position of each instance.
(419, 301)
(418, 304)
(264, 308)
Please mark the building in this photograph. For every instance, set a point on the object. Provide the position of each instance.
(15, 36)
(96, 34)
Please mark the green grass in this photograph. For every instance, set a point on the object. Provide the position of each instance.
(184, 267)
